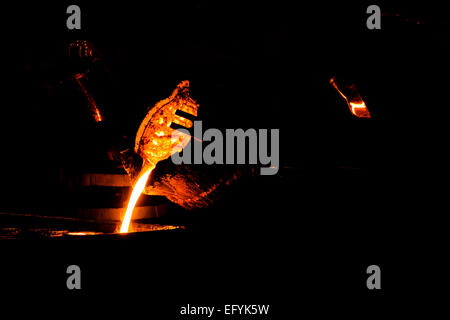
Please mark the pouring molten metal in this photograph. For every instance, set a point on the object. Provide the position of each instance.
(137, 190)
(156, 140)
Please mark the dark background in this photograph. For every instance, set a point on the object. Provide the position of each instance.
(350, 192)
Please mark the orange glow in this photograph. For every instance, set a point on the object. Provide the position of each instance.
(137, 190)
(156, 140)
(354, 101)
(95, 112)
(84, 233)
(359, 109)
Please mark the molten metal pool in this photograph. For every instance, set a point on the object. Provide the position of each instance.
(30, 226)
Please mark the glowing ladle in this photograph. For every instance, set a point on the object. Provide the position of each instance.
(156, 140)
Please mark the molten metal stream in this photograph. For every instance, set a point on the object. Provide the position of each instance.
(138, 188)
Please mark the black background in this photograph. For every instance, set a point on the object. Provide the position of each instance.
(350, 192)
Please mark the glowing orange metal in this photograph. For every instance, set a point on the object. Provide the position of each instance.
(95, 112)
(83, 233)
(156, 141)
(353, 99)
(138, 188)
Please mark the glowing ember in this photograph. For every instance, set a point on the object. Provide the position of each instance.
(353, 99)
(138, 188)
